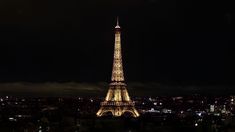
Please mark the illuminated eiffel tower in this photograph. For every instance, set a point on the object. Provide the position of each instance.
(117, 100)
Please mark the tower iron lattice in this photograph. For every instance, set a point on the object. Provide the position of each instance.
(117, 100)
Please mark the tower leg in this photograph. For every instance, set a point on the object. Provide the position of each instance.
(118, 111)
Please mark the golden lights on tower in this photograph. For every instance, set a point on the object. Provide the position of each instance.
(117, 100)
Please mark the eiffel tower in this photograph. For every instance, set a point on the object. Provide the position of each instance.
(117, 100)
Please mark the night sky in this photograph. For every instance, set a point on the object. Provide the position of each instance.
(168, 42)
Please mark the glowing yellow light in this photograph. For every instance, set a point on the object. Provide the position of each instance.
(117, 100)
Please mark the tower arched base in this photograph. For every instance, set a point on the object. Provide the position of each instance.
(117, 111)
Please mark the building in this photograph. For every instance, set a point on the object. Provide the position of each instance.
(117, 101)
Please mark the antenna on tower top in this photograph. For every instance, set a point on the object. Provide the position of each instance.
(117, 21)
(117, 26)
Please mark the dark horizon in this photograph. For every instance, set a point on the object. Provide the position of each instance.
(99, 89)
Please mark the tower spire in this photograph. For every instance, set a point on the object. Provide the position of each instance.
(117, 21)
(117, 26)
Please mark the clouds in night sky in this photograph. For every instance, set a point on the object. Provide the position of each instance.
(100, 89)
(50, 88)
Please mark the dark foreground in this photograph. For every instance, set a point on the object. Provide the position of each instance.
(116, 125)
(77, 114)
